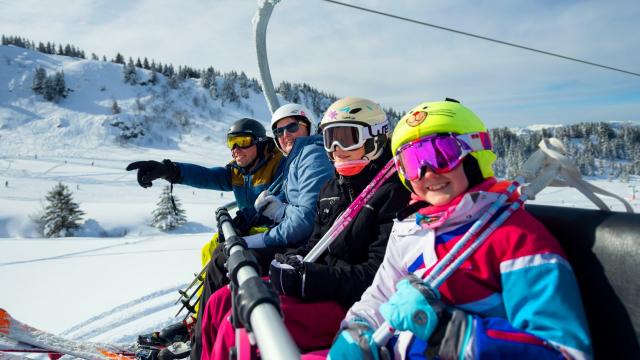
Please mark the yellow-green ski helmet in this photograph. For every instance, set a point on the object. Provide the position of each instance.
(441, 117)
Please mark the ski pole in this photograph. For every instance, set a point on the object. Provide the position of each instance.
(481, 222)
(437, 282)
(198, 277)
(186, 302)
(350, 213)
(438, 276)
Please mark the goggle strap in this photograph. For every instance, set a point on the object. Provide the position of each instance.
(477, 141)
(378, 129)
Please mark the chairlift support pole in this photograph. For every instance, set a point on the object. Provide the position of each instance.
(260, 21)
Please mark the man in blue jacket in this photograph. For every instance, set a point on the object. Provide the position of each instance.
(307, 168)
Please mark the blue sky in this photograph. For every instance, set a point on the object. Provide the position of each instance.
(353, 53)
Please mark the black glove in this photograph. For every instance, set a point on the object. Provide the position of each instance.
(152, 170)
(286, 275)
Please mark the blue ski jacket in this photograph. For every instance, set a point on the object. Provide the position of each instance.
(306, 169)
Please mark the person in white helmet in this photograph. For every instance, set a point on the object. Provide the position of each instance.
(306, 169)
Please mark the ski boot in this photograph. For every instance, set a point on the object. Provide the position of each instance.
(147, 352)
(178, 332)
(177, 350)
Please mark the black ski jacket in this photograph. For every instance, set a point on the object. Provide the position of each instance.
(345, 270)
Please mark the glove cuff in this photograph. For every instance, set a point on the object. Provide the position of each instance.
(173, 172)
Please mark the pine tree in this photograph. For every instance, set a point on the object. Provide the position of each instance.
(119, 59)
(228, 91)
(38, 80)
(164, 216)
(115, 108)
(153, 78)
(130, 73)
(243, 82)
(61, 215)
(48, 89)
(174, 81)
(60, 86)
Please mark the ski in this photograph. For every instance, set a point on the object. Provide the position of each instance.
(8, 345)
(19, 334)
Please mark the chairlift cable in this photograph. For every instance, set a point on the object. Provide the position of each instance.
(480, 37)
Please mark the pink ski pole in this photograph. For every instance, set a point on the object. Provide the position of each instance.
(350, 213)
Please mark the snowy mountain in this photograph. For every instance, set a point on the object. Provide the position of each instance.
(119, 277)
(84, 120)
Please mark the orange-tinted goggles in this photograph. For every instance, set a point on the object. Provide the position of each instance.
(241, 141)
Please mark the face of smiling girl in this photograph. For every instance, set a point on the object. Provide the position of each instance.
(440, 189)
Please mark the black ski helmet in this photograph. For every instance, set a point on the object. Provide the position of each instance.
(249, 127)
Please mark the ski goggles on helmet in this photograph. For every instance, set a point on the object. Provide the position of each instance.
(290, 128)
(350, 136)
(440, 153)
(241, 141)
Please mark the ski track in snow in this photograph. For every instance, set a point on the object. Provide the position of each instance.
(73, 254)
(109, 326)
(52, 168)
(124, 307)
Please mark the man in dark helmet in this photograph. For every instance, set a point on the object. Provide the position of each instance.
(256, 164)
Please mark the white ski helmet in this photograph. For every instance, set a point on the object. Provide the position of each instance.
(369, 121)
(294, 110)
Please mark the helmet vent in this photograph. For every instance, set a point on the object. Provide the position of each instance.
(355, 111)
